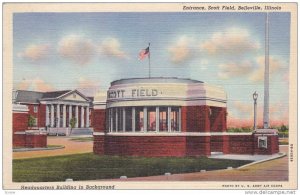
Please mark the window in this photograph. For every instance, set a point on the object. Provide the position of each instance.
(151, 119)
(119, 119)
(175, 119)
(163, 119)
(35, 122)
(113, 117)
(139, 118)
(128, 119)
(35, 109)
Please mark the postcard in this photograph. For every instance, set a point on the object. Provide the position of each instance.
(108, 96)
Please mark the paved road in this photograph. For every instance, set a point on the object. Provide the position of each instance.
(71, 147)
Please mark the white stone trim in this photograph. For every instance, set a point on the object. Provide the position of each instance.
(66, 102)
(165, 102)
(19, 108)
(98, 133)
(19, 132)
(200, 134)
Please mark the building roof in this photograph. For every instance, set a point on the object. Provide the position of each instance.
(35, 96)
(54, 94)
(155, 80)
(28, 96)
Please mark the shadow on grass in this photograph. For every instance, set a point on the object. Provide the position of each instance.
(89, 166)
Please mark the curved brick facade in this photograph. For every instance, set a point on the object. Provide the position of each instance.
(202, 114)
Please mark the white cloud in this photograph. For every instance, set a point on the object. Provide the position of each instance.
(180, 51)
(233, 41)
(88, 87)
(253, 71)
(111, 47)
(258, 74)
(78, 49)
(234, 69)
(35, 52)
(35, 84)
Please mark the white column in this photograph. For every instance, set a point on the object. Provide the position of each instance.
(145, 119)
(87, 123)
(82, 117)
(52, 116)
(70, 114)
(64, 115)
(157, 119)
(179, 123)
(76, 116)
(116, 119)
(133, 119)
(124, 120)
(47, 115)
(58, 115)
(111, 119)
(169, 119)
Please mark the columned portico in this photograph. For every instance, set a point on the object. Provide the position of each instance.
(58, 115)
(60, 110)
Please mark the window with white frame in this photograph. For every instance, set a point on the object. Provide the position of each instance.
(144, 119)
(35, 108)
(36, 122)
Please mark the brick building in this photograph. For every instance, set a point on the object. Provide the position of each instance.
(170, 117)
(52, 111)
(22, 137)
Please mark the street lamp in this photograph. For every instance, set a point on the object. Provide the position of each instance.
(255, 96)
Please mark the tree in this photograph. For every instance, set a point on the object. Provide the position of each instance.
(31, 121)
(72, 124)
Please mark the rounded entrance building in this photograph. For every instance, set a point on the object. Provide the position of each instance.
(159, 117)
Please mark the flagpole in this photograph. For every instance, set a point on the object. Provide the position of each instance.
(149, 62)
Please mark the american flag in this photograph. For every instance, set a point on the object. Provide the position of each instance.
(144, 53)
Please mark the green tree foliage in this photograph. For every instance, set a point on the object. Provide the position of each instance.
(72, 124)
(243, 129)
(31, 121)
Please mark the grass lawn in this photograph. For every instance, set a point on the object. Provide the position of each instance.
(90, 167)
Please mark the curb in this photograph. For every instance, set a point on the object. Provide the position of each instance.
(36, 149)
(261, 161)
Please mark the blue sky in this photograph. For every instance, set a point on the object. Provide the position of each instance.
(86, 51)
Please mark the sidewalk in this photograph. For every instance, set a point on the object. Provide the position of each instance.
(71, 147)
(273, 170)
